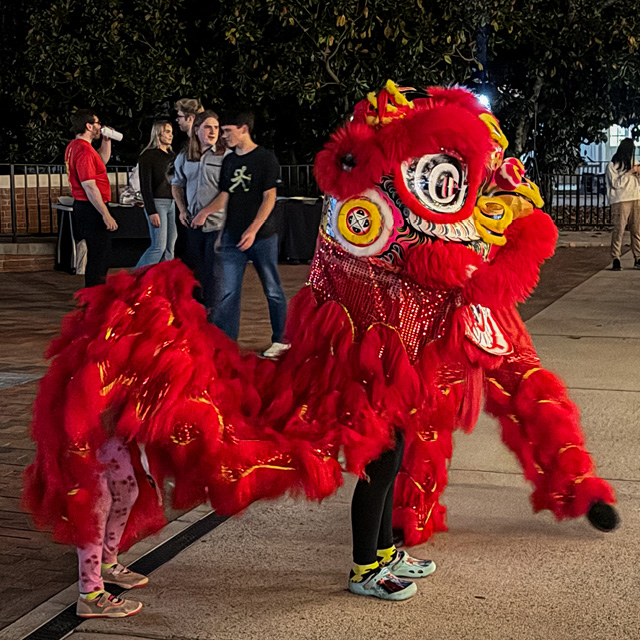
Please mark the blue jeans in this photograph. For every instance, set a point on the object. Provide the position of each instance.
(264, 255)
(163, 238)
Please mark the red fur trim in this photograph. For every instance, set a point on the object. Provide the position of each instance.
(458, 96)
(359, 141)
(542, 427)
(420, 484)
(360, 111)
(513, 273)
(440, 264)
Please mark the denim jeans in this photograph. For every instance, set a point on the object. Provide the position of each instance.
(264, 255)
(163, 238)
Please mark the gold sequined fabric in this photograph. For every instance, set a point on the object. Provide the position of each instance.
(373, 293)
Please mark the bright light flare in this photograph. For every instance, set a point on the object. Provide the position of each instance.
(484, 101)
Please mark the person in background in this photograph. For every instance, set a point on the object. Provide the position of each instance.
(248, 185)
(159, 206)
(90, 188)
(195, 185)
(187, 109)
(623, 190)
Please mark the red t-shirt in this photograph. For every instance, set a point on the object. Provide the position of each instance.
(84, 163)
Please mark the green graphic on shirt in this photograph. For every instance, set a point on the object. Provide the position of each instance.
(240, 179)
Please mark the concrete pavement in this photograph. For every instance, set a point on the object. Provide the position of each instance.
(280, 570)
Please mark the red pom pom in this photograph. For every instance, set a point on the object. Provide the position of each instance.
(350, 163)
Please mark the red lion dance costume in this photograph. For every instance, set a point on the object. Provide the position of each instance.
(429, 240)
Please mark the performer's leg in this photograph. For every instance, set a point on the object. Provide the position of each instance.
(400, 563)
(367, 507)
(124, 492)
(367, 510)
(94, 602)
(385, 535)
(89, 556)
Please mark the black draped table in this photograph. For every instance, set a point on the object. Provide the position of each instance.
(298, 223)
(129, 240)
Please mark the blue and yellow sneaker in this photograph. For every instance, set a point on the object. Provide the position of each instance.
(381, 583)
(402, 565)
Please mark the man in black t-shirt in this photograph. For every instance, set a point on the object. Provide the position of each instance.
(248, 192)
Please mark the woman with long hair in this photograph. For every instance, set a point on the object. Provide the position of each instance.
(623, 191)
(154, 163)
(195, 185)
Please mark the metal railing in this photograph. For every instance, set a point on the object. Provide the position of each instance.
(576, 201)
(298, 180)
(29, 191)
(593, 166)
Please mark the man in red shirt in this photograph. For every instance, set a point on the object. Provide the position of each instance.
(91, 190)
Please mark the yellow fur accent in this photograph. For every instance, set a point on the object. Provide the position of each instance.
(530, 372)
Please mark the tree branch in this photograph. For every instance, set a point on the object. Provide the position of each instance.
(524, 122)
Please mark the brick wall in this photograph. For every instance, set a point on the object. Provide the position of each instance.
(34, 196)
(33, 214)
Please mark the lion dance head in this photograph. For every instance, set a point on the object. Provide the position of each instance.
(416, 166)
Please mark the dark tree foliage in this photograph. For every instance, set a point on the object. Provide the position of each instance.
(572, 68)
(558, 71)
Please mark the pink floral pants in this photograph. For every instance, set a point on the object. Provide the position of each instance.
(119, 491)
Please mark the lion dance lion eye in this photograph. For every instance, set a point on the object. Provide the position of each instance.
(438, 181)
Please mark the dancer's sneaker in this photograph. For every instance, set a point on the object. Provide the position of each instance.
(381, 583)
(404, 566)
(107, 606)
(123, 577)
(276, 350)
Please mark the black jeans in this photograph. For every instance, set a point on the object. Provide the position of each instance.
(200, 256)
(372, 505)
(92, 229)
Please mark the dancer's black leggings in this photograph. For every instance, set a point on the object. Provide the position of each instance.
(372, 505)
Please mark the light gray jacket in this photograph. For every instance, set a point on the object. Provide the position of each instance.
(200, 180)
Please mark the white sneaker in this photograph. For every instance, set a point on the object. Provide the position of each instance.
(276, 350)
(383, 584)
(404, 566)
(123, 577)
